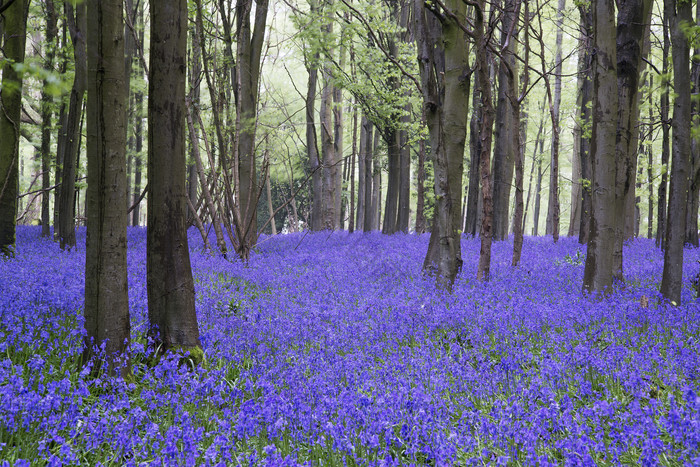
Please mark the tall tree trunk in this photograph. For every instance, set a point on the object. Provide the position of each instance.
(46, 116)
(248, 54)
(370, 180)
(353, 157)
(632, 20)
(485, 133)
(585, 76)
(679, 14)
(15, 19)
(171, 311)
(328, 150)
(505, 149)
(77, 23)
(312, 146)
(473, 195)
(691, 229)
(376, 193)
(665, 140)
(519, 139)
(598, 272)
(420, 190)
(391, 207)
(362, 179)
(650, 162)
(106, 286)
(445, 82)
(404, 214)
(336, 174)
(552, 227)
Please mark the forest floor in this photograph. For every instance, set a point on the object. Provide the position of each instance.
(332, 349)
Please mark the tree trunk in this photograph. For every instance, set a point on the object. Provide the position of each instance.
(106, 286)
(77, 23)
(328, 151)
(485, 133)
(404, 214)
(391, 207)
(15, 20)
(665, 140)
(353, 157)
(370, 180)
(445, 82)
(248, 54)
(691, 230)
(505, 151)
(420, 191)
(632, 21)
(598, 273)
(585, 76)
(474, 153)
(519, 139)
(46, 115)
(679, 15)
(552, 226)
(362, 179)
(336, 174)
(171, 310)
(650, 163)
(312, 147)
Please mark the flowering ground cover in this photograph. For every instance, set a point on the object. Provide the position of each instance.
(332, 349)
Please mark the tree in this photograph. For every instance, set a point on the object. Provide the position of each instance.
(77, 24)
(444, 81)
(46, 114)
(679, 16)
(171, 309)
(106, 287)
(597, 276)
(632, 20)
(14, 22)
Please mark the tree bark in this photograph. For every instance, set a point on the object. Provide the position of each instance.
(691, 230)
(585, 76)
(598, 271)
(77, 24)
(505, 148)
(678, 14)
(362, 179)
(632, 20)
(553, 209)
(46, 115)
(171, 309)
(312, 144)
(445, 81)
(474, 154)
(665, 140)
(15, 20)
(248, 54)
(106, 286)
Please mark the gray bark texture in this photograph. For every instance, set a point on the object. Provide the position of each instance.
(106, 286)
(171, 312)
(678, 13)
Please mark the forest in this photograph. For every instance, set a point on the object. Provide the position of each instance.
(349, 232)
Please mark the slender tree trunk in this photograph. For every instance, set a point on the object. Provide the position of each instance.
(353, 157)
(420, 190)
(538, 195)
(15, 23)
(171, 310)
(248, 54)
(77, 23)
(327, 151)
(404, 213)
(650, 162)
(678, 14)
(375, 195)
(337, 176)
(691, 230)
(665, 140)
(365, 125)
(473, 195)
(553, 209)
(106, 286)
(391, 137)
(46, 116)
(312, 147)
(505, 149)
(519, 138)
(632, 20)
(586, 120)
(370, 188)
(485, 133)
(598, 271)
